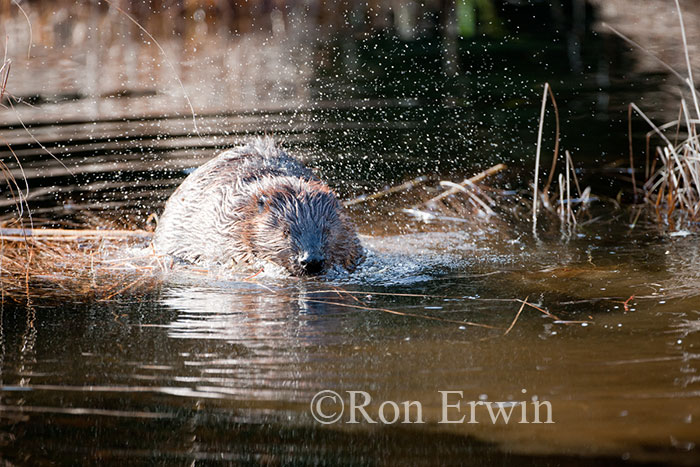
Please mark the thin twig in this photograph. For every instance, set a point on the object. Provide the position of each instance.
(522, 306)
(537, 159)
(472, 180)
(381, 194)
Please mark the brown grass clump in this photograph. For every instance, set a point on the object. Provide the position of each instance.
(672, 188)
(672, 172)
(79, 265)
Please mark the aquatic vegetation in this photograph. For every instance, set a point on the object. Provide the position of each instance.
(672, 188)
(81, 265)
(672, 171)
(560, 198)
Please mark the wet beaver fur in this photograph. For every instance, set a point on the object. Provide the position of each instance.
(257, 203)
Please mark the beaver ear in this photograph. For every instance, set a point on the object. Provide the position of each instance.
(262, 201)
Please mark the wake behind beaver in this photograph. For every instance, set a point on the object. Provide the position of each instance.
(256, 204)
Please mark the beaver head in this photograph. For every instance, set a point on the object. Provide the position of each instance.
(300, 225)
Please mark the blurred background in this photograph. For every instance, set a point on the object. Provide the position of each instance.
(369, 93)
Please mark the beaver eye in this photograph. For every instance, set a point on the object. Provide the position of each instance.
(261, 203)
(285, 231)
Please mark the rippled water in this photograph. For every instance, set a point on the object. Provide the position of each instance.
(205, 368)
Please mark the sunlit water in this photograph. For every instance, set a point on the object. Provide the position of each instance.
(218, 368)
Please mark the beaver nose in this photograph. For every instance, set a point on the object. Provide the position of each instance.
(311, 264)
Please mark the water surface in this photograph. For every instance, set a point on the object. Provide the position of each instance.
(204, 368)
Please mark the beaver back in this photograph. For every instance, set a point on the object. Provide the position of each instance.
(208, 218)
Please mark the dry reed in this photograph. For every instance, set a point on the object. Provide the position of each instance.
(672, 171)
(561, 198)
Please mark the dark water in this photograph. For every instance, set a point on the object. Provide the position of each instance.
(204, 369)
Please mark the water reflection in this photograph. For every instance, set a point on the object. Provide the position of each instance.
(184, 365)
(245, 314)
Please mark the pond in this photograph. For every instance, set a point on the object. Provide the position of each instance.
(202, 368)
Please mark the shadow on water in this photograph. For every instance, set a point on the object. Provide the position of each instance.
(215, 369)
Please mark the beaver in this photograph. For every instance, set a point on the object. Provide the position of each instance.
(256, 203)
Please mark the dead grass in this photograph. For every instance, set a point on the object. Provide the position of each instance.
(469, 200)
(78, 265)
(672, 171)
(557, 202)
